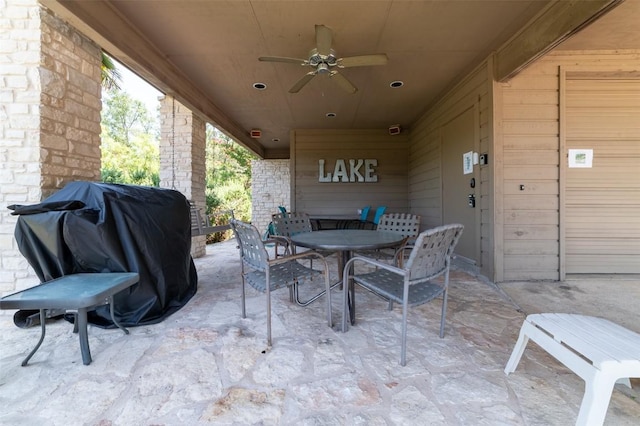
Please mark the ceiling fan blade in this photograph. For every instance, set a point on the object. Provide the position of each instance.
(323, 39)
(283, 59)
(302, 82)
(363, 60)
(342, 81)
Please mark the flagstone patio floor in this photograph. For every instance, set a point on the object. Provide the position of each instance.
(206, 365)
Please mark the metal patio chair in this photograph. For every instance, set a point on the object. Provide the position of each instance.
(265, 274)
(412, 284)
(405, 224)
(287, 225)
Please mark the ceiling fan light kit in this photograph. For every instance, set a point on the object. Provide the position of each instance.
(323, 60)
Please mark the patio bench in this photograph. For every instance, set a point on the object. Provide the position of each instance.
(76, 293)
(201, 225)
(599, 351)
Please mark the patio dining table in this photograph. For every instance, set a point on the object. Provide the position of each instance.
(345, 242)
(322, 222)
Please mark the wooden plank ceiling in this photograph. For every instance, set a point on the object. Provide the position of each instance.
(205, 53)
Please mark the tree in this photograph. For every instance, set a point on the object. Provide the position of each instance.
(130, 153)
(130, 148)
(109, 73)
(228, 182)
(125, 118)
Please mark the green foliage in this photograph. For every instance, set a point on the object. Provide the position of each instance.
(137, 162)
(109, 73)
(125, 118)
(228, 185)
(130, 155)
(130, 152)
(109, 175)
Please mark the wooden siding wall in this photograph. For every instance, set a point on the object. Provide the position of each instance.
(425, 168)
(528, 115)
(345, 198)
(602, 223)
(529, 118)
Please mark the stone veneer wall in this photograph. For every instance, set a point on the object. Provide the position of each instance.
(50, 103)
(70, 105)
(182, 157)
(270, 188)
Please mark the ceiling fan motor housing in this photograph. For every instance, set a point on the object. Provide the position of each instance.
(316, 58)
(322, 68)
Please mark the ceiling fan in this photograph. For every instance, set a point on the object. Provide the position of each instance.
(323, 60)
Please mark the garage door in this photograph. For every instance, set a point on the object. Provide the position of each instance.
(602, 202)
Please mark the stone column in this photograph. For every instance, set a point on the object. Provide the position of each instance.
(50, 102)
(182, 157)
(270, 188)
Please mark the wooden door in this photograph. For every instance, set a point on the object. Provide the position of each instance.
(602, 207)
(458, 138)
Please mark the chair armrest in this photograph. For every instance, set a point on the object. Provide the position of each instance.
(377, 264)
(279, 240)
(305, 255)
(408, 244)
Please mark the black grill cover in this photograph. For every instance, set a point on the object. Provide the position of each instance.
(99, 227)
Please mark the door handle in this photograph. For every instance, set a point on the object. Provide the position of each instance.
(472, 200)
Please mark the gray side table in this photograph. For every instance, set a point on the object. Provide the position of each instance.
(77, 293)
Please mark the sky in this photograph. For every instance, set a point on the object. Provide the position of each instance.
(139, 89)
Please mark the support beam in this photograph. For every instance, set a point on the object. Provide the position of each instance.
(115, 35)
(552, 26)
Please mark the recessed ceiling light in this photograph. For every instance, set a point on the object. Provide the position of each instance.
(259, 86)
(275, 140)
(331, 114)
(396, 84)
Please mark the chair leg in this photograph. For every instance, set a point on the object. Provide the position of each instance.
(405, 309)
(268, 315)
(518, 349)
(403, 349)
(595, 401)
(327, 284)
(345, 299)
(244, 307)
(443, 315)
(293, 291)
